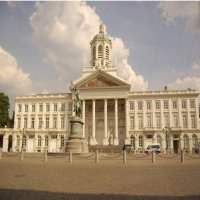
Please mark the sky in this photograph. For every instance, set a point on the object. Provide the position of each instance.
(43, 46)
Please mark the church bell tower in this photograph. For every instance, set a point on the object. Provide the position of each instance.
(101, 49)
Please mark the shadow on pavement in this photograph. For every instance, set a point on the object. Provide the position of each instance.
(11, 194)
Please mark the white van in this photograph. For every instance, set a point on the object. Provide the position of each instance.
(153, 147)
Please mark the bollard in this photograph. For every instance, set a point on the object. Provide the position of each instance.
(96, 156)
(1, 154)
(153, 156)
(124, 157)
(182, 156)
(22, 155)
(45, 156)
(70, 157)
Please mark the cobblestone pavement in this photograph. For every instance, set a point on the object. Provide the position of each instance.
(33, 179)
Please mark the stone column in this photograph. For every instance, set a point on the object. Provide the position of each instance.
(105, 139)
(83, 118)
(116, 139)
(181, 142)
(136, 142)
(153, 113)
(93, 139)
(171, 120)
(180, 113)
(162, 114)
(163, 147)
(197, 113)
(5, 143)
(190, 143)
(188, 114)
(127, 140)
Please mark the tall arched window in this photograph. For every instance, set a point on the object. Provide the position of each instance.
(46, 140)
(39, 141)
(141, 142)
(94, 53)
(194, 141)
(186, 142)
(107, 52)
(132, 141)
(100, 51)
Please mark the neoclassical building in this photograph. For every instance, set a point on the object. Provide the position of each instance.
(111, 112)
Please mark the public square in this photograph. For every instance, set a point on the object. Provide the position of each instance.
(57, 179)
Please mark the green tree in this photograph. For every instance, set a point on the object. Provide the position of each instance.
(4, 110)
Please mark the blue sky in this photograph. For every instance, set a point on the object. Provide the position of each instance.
(163, 40)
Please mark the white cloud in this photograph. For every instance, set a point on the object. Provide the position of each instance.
(13, 80)
(187, 11)
(196, 66)
(63, 31)
(192, 82)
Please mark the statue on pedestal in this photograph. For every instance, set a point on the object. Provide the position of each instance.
(76, 142)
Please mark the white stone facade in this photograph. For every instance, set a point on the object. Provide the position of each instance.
(112, 114)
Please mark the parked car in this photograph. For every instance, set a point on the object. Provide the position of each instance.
(128, 148)
(153, 147)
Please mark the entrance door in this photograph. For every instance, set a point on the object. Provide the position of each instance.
(30, 145)
(1, 141)
(176, 145)
(52, 144)
(10, 143)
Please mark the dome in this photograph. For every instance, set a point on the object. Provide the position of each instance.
(101, 36)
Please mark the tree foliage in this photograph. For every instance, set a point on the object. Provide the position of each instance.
(4, 110)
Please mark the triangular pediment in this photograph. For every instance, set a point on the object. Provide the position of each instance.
(100, 79)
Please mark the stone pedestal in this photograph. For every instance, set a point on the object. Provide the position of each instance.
(76, 143)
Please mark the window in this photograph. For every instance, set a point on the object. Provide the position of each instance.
(18, 140)
(185, 121)
(149, 120)
(25, 122)
(141, 141)
(186, 142)
(100, 51)
(94, 54)
(192, 103)
(32, 122)
(132, 122)
(140, 121)
(184, 104)
(158, 120)
(148, 105)
(174, 104)
(107, 52)
(157, 105)
(40, 123)
(41, 107)
(24, 141)
(19, 108)
(33, 107)
(19, 122)
(47, 107)
(131, 105)
(194, 141)
(70, 106)
(62, 141)
(166, 104)
(62, 107)
(55, 122)
(175, 120)
(62, 122)
(55, 107)
(26, 107)
(166, 119)
(39, 141)
(193, 121)
(140, 105)
(47, 122)
(46, 140)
